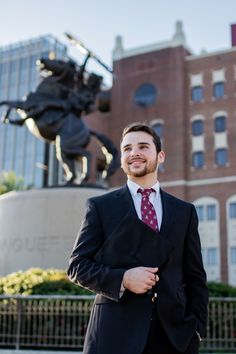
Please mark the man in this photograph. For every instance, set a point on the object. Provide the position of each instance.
(139, 250)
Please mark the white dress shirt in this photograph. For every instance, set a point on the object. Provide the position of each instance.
(155, 199)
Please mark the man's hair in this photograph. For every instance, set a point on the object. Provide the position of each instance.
(142, 127)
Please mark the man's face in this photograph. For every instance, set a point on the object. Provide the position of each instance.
(138, 154)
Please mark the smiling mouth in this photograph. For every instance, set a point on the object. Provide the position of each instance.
(136, 161)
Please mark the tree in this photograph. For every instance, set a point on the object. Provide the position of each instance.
(10, 182)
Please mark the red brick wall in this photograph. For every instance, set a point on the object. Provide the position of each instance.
(166, 70)
(169, 70)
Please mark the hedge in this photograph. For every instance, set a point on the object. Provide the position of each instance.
(55, 282)
(223, 290)
(41, 282)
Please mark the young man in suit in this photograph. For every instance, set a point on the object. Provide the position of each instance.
(139, 249)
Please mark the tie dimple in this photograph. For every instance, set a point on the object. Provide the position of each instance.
(148, 212)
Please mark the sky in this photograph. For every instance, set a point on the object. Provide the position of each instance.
(96, 23)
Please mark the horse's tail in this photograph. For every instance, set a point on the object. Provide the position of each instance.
(111, 149)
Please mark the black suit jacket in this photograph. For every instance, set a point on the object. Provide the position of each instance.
(109, 242)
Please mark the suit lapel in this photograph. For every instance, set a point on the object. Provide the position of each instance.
(125, 206)
(125, 202)
(168, 207)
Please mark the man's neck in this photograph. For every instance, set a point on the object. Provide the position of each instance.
(146, 181)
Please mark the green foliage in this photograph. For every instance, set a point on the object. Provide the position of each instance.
(38, 281)
(10, 182)
(219, 289)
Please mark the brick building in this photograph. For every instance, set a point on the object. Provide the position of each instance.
(191, 102)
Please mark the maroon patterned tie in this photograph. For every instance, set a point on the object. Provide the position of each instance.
(148, 212)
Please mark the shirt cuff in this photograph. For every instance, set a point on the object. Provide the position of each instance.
(122, 290)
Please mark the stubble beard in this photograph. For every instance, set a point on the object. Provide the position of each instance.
(148, 168)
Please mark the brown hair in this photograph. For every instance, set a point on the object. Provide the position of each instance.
(142, 127)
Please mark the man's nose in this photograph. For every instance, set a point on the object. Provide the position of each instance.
(135, 152)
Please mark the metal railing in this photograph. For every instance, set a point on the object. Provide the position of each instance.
(60, 322)
(221, 327)
(44, 322)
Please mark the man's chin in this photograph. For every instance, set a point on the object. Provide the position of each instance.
(137, 173)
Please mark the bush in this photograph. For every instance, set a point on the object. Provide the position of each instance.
(36, 281)
(10, 182)
(219, 289)
(40, 282)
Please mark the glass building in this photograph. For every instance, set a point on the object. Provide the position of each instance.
(20, 151)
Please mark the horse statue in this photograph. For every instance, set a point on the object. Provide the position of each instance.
(54, 112)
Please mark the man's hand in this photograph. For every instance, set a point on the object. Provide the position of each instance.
(140, 279)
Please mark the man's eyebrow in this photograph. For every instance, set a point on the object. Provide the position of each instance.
(125, 146)
(139, 143)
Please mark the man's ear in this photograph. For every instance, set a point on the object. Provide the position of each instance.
(161, 157)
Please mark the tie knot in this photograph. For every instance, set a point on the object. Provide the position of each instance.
(146, 192)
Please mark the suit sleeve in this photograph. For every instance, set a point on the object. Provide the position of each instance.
(194, 275)
(83, 270)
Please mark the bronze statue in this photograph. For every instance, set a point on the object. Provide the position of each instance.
(54, 112)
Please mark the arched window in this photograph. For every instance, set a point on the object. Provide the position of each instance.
(232, 210)
(231, 240)
(197, 127)
(159, 128)
(198, 159)
(197, 94)
(209, 229)
(220, 124)
(221, 156)
(219, 89)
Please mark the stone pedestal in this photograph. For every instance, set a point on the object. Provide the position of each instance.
(38, 227)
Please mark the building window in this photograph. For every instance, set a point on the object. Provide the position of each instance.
(200, 212)
(197, 127)
(158, 128)
(211, 212)
(220, 124)
(145, 95)
(218, 89)
(206, 212)
(233, 255)
(221, 157)
(232, 210)
(211, 256)
(203, 250)
(197, 93)
(198, 159)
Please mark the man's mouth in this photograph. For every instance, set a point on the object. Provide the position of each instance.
(136, 161)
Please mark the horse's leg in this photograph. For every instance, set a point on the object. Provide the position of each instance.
(86, 166)
(93, 151)
(12, 105)
(70, 159)
(67, 163)
(110, 153)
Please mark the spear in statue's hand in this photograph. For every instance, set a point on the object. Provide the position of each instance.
(75, 41)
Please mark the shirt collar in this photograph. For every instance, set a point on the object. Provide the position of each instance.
(133, 188)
